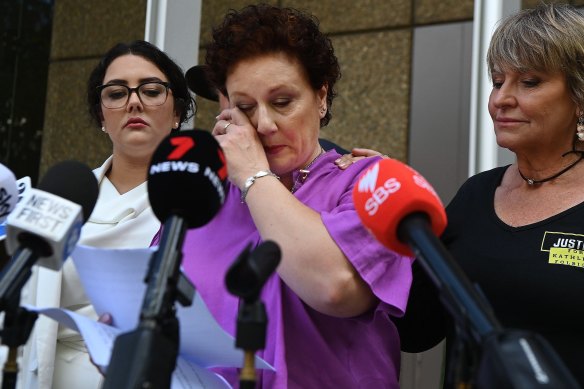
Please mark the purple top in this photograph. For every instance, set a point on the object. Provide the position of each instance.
(309, 349)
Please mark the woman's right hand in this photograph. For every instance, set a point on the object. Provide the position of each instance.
(106, 318)
(240, 142)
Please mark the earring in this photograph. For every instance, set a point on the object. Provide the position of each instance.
(580, 127)
(103, 128)
(176, 125)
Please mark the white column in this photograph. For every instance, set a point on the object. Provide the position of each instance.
(484, 153)
(174, 26)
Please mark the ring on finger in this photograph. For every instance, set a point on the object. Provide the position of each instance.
(227, 125)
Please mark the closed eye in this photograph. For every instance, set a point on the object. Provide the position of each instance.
(497, 84)
(245, 107)
(117, 94)
(281, 103)
(530, 83)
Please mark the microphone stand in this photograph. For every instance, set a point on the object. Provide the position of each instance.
(250, 337)
(18, 321)
(18, 325)
(245, 279)
(146, 357)
(507, 358)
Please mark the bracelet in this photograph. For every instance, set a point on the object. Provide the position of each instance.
(249, 182)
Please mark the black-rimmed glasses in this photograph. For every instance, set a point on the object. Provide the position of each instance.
(117, 95)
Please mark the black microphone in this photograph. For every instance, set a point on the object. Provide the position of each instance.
(402, 210)
(248, 274)
(44, 227)
(46, 224)
(187, 177)
(245, 279)
(186, 187)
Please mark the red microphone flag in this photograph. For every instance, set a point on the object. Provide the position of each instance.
(389, 191)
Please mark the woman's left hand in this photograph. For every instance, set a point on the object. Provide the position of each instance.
(356, 154)
(241, 144)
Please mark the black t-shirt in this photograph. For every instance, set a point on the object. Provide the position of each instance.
(533, 276)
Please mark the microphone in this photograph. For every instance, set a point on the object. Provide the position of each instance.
(250, 271)
(46, 223)
(187, 178)
(8, 192)
(245, 279)
(402, 191)
(49, 219)
(186, 187)
(403, 212)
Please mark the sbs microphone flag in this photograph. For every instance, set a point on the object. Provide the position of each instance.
(389, 191)
(187, 177)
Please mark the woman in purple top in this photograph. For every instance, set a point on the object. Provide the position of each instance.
(330, 301)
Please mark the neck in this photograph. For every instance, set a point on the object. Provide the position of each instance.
(126, 175)
(534, 177)
(317, 152)
(304, 171)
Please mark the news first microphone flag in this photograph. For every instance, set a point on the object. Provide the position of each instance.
(49, 219)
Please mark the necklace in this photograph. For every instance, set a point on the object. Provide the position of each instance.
(531, 181)
(303, 173)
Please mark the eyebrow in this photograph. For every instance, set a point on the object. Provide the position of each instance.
(141, 81)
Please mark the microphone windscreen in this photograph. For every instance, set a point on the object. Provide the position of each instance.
(74, 181)
(187, 177)
(8, 192)
(389, 191)
(248, 274)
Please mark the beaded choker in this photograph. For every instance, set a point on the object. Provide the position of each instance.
(531, 181)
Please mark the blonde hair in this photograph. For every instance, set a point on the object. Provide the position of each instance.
(548, 38)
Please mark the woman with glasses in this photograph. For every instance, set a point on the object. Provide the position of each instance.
(137, 95)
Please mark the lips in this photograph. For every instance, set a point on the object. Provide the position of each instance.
(135, 123)
(507, 120)
(270, 150)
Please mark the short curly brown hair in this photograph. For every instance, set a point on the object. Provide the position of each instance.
(262, 29)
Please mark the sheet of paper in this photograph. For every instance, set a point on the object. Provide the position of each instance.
(114, 282)
(99, 339)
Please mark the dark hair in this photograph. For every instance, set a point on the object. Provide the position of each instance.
(183, 102)
(262, 29)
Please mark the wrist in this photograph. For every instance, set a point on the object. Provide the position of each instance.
(252, 179)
